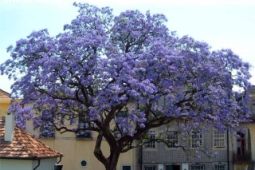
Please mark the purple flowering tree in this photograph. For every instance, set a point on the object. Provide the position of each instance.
(122, 76)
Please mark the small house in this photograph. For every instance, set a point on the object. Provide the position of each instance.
(21, 151)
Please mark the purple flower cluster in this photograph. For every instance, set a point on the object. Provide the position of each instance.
(101, 64)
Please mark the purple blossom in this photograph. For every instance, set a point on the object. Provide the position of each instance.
(102, 65)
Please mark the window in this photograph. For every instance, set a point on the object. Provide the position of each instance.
(82, 128)
(197, 167)
(218, 139)
(151, 140)
(47, 128)
(172, 167)
(219, 167)
(196, 139)
(150, 167)
(126, 167)
(172, 139)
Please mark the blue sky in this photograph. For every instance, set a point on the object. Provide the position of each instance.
(221, 23)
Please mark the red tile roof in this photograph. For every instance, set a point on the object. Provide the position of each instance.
(24, 146)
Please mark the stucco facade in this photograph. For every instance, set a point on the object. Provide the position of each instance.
(76, 150)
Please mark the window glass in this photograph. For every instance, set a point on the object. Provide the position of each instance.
(82, 128)
(219, 167)
(196, 139)
(150, 167)
(172, 139)
(126, 167)
(197, 167)
(218, 139)
(151, 141)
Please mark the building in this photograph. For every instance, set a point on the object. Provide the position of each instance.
(205, 149)
(243, 153)
(4, 102)
(19, 150)
(77, 150)
(244, 144)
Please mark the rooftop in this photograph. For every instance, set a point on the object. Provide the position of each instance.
(23, 146)
(4, 94)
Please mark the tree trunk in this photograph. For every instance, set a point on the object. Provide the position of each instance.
(110, 163)
(113, 160)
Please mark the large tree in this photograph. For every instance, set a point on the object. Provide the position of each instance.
(122, 76)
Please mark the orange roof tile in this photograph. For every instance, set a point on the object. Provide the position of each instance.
(24, 146)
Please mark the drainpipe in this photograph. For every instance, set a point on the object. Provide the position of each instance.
(248, 150)
(141, 157)
(60, 159)
(38, 164)
(228, 157)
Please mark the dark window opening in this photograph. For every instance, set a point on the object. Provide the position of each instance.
(126, 167)
(240, 144)
(173, 167)
(150, 167)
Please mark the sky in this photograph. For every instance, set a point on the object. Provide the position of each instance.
(220, 23)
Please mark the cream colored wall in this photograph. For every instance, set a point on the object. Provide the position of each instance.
(4, 104)
(75, 150)
(13, 164)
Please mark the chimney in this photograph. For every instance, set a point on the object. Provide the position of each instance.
(9, 127)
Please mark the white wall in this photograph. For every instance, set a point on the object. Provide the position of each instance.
(45, 164)
(14, 164)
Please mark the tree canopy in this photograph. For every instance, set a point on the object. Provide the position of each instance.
(123, 75)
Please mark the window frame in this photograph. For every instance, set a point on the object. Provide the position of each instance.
(165, 166)
(173, 140)
(201, 139)
(82, 132)
(126, 165)
(150, 166)
(219, 139)
(201, 165)
(147, 145)
(224, 166)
